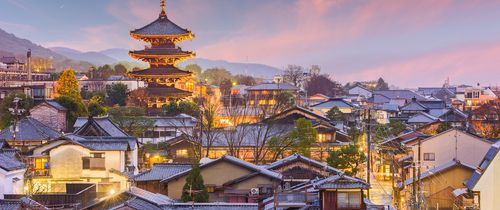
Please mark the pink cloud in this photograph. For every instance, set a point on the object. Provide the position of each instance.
(467, 64)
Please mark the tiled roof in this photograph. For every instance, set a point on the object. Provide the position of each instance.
(439, 169)
(248, 134)
(168, 70)
(422, 117)
(273, 86)
(236, 161)
(103, 125)
(340, 182)
(181, 120)
(10, 163)
(155, 198)
(30, 129)
(333, 102)
(413, 106)
(11, 204)
(161, 171)
(165, 91)
(400, 94)
(161, 26)
(435, 90)
(296, 157)
(56, 105)
(212, 206)
(483, 166)
(141, 204)
(9, 60)
(103, 143)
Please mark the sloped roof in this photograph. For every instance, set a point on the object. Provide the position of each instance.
(10, 163)
(102, 143)
(340, 182)
(30, 129)
(56, 105)
(181, 120)
(483, 166)
(234, 160)
(273, 86)
(22, 203)
(413, 106)
(161, 171)
(161, 26)
(296, 157)
(400, 94)
(422, 117)
(440, 169)
(97, 126)
(333, 102)
(169, 70)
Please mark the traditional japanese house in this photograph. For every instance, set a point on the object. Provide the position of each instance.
(165, 82)
(28, 134)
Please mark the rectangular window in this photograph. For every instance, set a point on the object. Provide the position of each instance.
(262, 102)
(41, 163)
(429, 156)
(210, 188)
(97, 154)
(321, 137)
(181, 153)
(349, 200)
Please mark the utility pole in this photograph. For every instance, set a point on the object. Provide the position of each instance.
(418, 174)
(369, 143)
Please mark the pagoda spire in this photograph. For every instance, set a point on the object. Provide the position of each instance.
(162, 5)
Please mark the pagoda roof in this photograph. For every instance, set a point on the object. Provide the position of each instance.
(161, 27)
(165, 91)
(169, 70)
(161, 52)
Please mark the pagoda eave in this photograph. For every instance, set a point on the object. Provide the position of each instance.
(172, 37)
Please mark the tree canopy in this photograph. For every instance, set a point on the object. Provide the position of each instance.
(196, 69)
(117, 94)
(194, 189)
(348, 159)
(187, 107)
(131, 119)
(215, 76)
(67, 85)
(381, 84)
(294, 74)
(324, 85)
(335, 114)
(6, 116)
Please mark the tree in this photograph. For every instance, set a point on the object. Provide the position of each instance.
(187, 107)
(442, 127)
(225, 86)
(194, 189)
(245, 80)
(6, 117)
(215, 76)
(381, 84)
(67, 85)
(95, 106)
(335, 114)
(117, 94)
(294, 74)
(75, 108)
(196, 69)
(396, 127)
(324, 85)
(298, 140)
(348, 159)
(120, 69)
(131, 119)
(354, 133)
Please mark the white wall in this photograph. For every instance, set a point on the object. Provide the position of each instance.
(488, 186)
(470, 149)
(8, 186)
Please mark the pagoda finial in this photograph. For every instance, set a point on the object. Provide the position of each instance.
(162, 5)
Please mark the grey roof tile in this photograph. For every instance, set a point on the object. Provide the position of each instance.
(161, 171)
(273, 86)
(161, 26)
(30, 129)
(10, 163)
(103, 123)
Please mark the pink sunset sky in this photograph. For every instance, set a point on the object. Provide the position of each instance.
(408, 43)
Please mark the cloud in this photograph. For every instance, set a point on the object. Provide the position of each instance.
(8, 26)
(467, 64)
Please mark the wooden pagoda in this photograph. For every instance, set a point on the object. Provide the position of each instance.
(165, 81)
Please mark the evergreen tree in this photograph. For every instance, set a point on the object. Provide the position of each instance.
(348, 159)
(6, 116)
(194, 189)
(304, 136)
(117, 94)
(67, 85)
(335, 114)
(381, 84)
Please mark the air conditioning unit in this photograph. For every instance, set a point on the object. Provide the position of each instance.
(254, 191)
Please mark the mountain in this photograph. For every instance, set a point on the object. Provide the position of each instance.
(254, 69)
(95, 58)
(11, 45)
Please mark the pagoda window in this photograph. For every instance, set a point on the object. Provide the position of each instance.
(262, 102)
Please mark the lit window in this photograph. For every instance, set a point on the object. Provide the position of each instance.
(321, 137)
(262, 102)
(213, 154)
(181, 153)
(251, 102)
(41, 163)
(272, 102)
(210, 188)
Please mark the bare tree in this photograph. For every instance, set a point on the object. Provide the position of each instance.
(294, 74)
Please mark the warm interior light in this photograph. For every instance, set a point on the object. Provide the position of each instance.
(112, 191)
